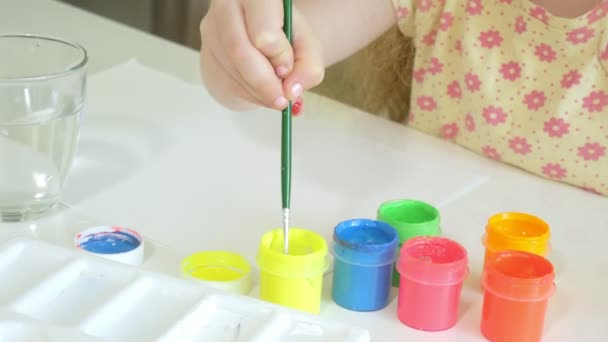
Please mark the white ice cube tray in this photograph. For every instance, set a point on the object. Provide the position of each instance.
(52, 293)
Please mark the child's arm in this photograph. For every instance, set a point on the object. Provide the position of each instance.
(246, 60)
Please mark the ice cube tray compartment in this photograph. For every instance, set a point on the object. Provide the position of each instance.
(73, 292)
(22, 267)
(143, 311)
(220, 319)
(15, 327)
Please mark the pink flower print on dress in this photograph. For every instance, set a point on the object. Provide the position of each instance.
(411, 117)
(472, 82)
(469, 123)
(425, 5)
(520, 25)
(459, 47)
(556, 127)
(540, 14)
(553, 170)
(454, 90)
(592, 151)
(520, 145)
(403, 12)
(545, 53)
(474, 7)
(430, 38)
(604, 54)
(490, 39)
(535, 100)
(436, 66)
(580, 35)
(494, 115)
(427, 103)
(419, 75)
(596, 101)
(491, 152)
(571, 78)
(446, 21)
(598, 13)
(510, 71)
(449, 131)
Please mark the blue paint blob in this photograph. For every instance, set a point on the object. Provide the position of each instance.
(364, 235)
(364, 251)
(110, 242)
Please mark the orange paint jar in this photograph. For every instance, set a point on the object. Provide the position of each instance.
(516, 231)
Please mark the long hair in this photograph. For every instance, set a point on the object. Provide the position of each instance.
(376, 79)
(390, 61)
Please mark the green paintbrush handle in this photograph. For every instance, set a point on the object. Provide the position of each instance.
(286, 121)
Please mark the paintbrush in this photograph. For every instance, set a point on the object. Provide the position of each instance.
(286, 139)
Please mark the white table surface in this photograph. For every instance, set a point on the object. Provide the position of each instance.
(158, 155)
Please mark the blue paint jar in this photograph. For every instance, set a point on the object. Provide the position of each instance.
(364, 252)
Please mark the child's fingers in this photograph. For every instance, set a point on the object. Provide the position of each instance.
(264, 20)
(255, 71)
(309, 68)
(215, 71)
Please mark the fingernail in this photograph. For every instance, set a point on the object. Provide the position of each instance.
(297, 106)
(281, 70)
(280, 102)
(296, 89)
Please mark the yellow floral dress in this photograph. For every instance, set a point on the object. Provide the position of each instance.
(507, 79)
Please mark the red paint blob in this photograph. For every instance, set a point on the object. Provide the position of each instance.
(297, 107)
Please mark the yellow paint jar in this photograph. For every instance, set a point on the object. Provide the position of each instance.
(221, 270)
(518, 232)
(295, 279)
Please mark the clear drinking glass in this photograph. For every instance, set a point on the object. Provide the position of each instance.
(42, 93)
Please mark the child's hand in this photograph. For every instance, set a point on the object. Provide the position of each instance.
(246, 58)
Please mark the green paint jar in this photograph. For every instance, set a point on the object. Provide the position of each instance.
(411, 218)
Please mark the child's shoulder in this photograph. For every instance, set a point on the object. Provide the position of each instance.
(523, 20)
(416, 16)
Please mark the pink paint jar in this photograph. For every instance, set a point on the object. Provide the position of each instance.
(432, 270)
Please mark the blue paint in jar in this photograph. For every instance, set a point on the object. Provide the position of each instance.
(364, 252)
(110, 242)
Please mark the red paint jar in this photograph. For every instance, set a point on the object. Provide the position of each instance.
(518, 286)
